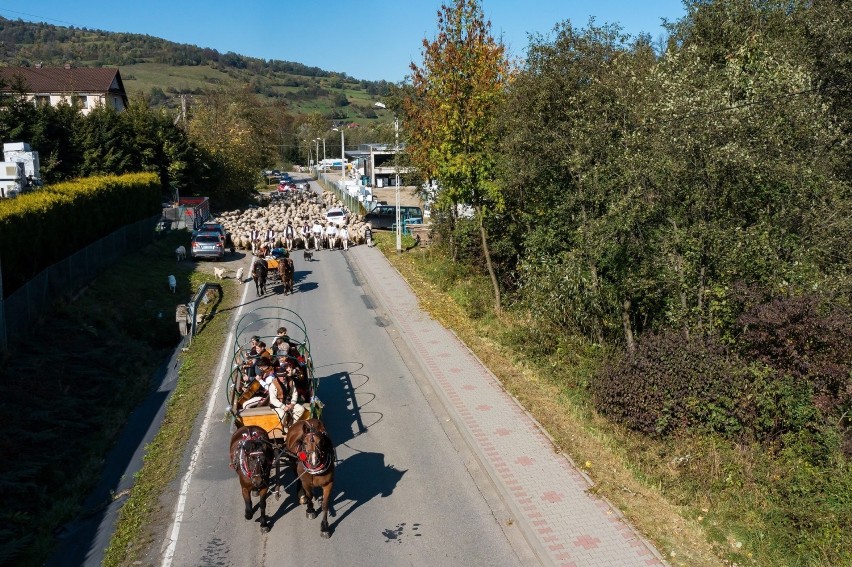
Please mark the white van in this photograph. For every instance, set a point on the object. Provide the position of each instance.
(336, 216)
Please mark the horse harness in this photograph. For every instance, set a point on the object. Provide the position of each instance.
(316, 462)
(246, 455)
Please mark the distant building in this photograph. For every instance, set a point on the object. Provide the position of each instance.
(19, 170)
(86, 87)
(375, 162)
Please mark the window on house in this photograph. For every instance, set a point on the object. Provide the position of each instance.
(42, 100)
(83, 101)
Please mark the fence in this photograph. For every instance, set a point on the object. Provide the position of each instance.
(333, 183)
(22, 308)
(193, 308)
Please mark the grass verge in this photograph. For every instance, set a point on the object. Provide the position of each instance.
(68, 387)
(133, 534)
(703, 500)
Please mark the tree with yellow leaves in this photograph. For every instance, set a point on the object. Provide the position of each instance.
(449, 115)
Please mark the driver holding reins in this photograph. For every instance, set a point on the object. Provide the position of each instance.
(283, 394)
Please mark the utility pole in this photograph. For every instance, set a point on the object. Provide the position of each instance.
(396, 170)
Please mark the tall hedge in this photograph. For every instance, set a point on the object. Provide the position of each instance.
(40, 228)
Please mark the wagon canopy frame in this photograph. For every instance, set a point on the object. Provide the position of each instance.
(256, 323)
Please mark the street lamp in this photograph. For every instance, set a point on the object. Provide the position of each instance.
(396, 171)
(342, 158)
(316, 141)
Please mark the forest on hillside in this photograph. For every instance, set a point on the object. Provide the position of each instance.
(26, 44)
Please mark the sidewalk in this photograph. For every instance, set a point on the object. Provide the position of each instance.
(546, 492)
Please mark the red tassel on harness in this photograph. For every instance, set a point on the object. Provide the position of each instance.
(303, 456)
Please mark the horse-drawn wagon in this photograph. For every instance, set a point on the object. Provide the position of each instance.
(264, 323)
(279, 436)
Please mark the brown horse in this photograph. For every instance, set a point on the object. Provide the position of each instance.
(259, 272)
(286, 272)
(314, 455)
(251, 457)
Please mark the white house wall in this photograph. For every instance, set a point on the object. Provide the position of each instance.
(93, 100)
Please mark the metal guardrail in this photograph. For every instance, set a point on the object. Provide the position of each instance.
(192, 308)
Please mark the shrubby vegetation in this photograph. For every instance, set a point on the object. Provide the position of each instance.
(685, 209)
(217, 151)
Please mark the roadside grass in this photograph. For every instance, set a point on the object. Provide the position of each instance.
(703, 501)
(68, 387)
(134, 533)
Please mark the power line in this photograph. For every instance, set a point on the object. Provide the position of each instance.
(37, 16)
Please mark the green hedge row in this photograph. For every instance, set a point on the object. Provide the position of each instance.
(40, 228)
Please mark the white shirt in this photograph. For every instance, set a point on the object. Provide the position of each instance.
(344, 234)
(317, 229)
(331, 230)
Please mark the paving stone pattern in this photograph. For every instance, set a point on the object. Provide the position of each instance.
(563, 523)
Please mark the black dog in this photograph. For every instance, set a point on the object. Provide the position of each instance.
(309, 256)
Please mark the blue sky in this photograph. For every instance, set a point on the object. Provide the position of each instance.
(367, 39)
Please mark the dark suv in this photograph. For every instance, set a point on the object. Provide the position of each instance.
(384, 216)
(211, 226)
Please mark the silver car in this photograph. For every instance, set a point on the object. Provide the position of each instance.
(208, 245)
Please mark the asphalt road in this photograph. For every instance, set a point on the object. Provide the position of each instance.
(407, 489)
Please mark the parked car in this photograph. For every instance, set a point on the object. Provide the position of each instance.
(207, 245)
(337, 216)
(384, 216)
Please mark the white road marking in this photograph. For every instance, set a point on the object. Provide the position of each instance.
(169, 554)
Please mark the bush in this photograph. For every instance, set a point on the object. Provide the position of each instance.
(800, 338)
(670, 384)
(673, 384)
(62, 218)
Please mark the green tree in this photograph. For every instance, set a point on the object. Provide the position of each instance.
(449, 121)
(233, 132)
(105, 139)
(564, 127)
(740, 160)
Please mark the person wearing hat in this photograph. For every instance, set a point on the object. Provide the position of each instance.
(317, 231)
(266, 374)
(344, 237)
(254, 236)
(283, 395)
(289, 235)
(305, 233)
(331, 235)
(248, 359)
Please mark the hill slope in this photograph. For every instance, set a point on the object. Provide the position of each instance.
(163, 70)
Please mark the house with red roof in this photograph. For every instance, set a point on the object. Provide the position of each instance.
(85, 87)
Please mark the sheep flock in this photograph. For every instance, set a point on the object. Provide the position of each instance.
(299, 208)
